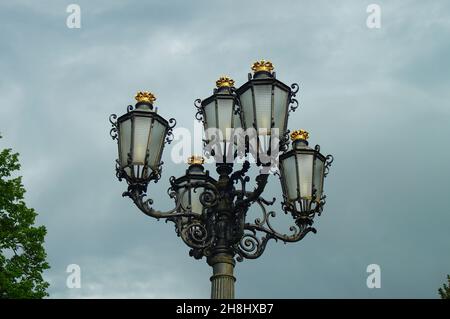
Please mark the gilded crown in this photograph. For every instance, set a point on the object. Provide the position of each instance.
(225, 81)
(145, 97)
(195, 159)
(299, 135)
(262, 65)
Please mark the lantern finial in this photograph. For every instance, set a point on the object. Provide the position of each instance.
(224, 81)
(196, 159)
(262, 65)
(299, 135)
(145, 97)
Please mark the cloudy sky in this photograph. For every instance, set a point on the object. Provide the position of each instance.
(377, 99)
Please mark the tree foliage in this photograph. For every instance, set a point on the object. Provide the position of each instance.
(22, 255)
(444, 291)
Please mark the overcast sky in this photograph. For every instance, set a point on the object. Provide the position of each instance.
(377, 99)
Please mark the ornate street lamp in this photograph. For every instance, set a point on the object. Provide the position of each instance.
(265, 100)
(302, 172)
(194, 186)
(141, 136)
(265, 103)
(220, 116)
(210, 215)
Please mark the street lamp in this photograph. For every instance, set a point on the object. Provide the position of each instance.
(141, 136)
(220, 116)
(210, 214)
(265, 100)
(302, 173)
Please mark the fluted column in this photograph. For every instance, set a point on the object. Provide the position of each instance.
(222, 280)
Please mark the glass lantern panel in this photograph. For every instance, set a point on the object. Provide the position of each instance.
(210, 117)
(125, 141)
(156, 143)
(140, 142)
(183, 194)
(318, 177)
(263, 105)
(247, 108)
(280, 109)
(196, 205)
(236, 118)
(225, 110)
(190, 198)
(290, 177)
(305, 167)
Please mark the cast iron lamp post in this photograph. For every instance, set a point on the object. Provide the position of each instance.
(210, 215)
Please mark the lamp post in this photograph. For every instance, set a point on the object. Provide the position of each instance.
(210, 214)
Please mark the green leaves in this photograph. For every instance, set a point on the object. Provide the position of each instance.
(22, 255)
(444, 292)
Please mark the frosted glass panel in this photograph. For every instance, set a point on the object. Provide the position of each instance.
(157, 136)
(210, 112)
(247, 108)
(263, 102)
(141, 131)
(236, 120)
(210, 115)
(225, 108)
(184, 195)
(125, 141)
(191, 198)
(318, 177)
(280, 108)
(290, 177)
(305, 166)
(195, 200)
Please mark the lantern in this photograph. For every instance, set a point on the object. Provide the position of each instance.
(302, 173)
(264, 107)
(220, 119)
(264, 100)
(142, 133)
(192, 188)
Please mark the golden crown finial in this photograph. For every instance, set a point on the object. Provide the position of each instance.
(224, 81)
(299, 135)
(196, 159)
(145, 96)
(262, 65)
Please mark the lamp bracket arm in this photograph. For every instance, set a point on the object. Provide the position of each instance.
(145, 205)
(240, 173)
(298, 233)
(260, 231)
(261, 182)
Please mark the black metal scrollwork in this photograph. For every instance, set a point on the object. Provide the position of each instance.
(115, 129)
(195, 235)
(169, 134)
(328, 161)
(284, 141)
(251, 246)
(199, 114)
(293, 102)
